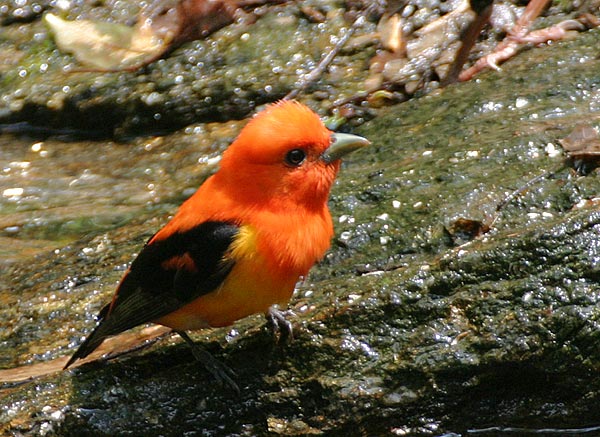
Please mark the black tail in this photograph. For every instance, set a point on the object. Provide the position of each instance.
(127, 313)
(90, 344)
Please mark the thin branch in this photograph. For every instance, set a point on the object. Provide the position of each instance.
(324, 63)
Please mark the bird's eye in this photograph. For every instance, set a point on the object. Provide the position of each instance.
(295, 157)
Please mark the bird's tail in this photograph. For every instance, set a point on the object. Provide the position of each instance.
(89, 345)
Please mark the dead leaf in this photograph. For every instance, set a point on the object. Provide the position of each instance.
(468, 229)
(105, 46)
(116, 47)
(114, 346)
(583, 148)
(189, 20)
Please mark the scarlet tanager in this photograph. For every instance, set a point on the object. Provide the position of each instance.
(243, 240)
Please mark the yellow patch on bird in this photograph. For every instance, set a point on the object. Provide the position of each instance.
(243, 245)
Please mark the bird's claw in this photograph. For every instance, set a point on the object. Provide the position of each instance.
(280, 327)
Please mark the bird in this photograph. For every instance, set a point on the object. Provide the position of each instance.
(240, 244)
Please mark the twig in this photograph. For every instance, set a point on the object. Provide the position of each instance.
(324, 63)
(520, 190)
(483, 11)
(510, 45)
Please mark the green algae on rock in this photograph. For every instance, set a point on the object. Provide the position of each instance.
(222, 77)
(399, 330)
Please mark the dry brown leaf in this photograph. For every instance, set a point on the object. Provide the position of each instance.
(105, 46)
(583, 147)
(116, 47)
(114, 346)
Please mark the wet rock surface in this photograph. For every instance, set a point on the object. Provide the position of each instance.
(232, 71)
(409, 326)
(221, 77)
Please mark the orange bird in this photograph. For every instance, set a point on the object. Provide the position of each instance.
(243, 240)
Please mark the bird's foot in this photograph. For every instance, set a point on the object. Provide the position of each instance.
(280, 327)
(222, 373)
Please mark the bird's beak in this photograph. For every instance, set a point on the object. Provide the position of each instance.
(342, 144)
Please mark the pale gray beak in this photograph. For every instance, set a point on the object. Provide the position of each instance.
(341, 145)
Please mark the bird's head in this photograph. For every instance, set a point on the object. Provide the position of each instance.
(285, 155)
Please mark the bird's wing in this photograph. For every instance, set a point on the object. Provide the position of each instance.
(168, 273)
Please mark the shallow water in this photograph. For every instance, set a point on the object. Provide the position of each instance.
(56, 191)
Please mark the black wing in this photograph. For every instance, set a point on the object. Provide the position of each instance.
(167, 274)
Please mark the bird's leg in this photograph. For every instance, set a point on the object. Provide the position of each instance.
(216, 368)
(278, 324)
